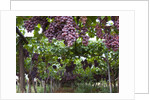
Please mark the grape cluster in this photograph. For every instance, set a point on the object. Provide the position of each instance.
(61, 65)
(85, 37)
(44, 23)
(59, 60)
(83, 31)
(97, 77)
(61, 19)
(85, 64)
(83, 19)
(51, 32)
(69, 32)
(26, 53)
(54, 66)
(62, 29)
(34, 21)
(30, 24)
(75, 25)
(112, 42)
(50, 17)
(116, 23)
(98, 29)
(99, 33)
(43, 59)
(96, 63)
(115, 19)
(71, 67)
(35, 57)
(90, 65)
(34, 72)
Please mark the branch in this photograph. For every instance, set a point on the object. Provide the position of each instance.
(21, 35)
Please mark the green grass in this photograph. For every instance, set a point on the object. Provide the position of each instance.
(79, 88)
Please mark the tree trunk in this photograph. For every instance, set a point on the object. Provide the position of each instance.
(118, 83)
(110, 88)
(54, 85)
(113, 77)
(49, 88)
(29, 86)
(30, 78)
(51, 85)
(34, 86)
(21, 65)
(44, 86)
(115, 87)
(18, 86)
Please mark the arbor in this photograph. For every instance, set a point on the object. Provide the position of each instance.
(70, 50)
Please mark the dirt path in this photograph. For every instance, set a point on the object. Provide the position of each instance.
(65, 90)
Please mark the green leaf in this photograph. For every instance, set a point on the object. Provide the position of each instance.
(19, 21)
(109, 18)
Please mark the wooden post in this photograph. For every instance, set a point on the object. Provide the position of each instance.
(21, 60)
(21, 65)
